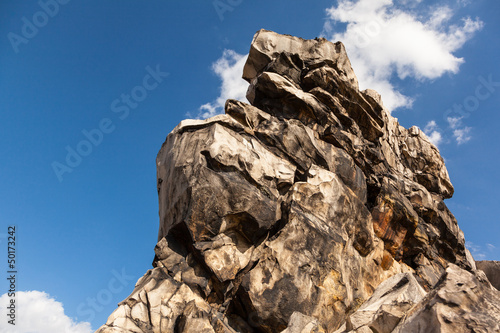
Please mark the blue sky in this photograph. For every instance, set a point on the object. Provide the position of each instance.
(86, 230)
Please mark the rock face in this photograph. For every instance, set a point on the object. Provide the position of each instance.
(459, 302)
(492, 271)
(310, 210)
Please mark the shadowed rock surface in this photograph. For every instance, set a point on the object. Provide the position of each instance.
(310, 210)
(492, 271)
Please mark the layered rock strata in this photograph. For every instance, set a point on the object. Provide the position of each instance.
(309, 210)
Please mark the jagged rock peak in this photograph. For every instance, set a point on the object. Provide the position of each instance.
(310, 210)
(268, 45)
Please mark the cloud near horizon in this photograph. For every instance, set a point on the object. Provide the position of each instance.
(384, 41)
(37, 312)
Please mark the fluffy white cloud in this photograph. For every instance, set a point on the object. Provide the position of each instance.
(383, 40)
(454, 122)
(37, 312)
(433, 133)
(229, 68)
(460, 133)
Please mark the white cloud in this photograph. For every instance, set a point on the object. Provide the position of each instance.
(229, 68)
(383, 40)
(433, 133)
(476, 250)
(462, 135)
(435, 137)
(440, 16)
(431, 126)
(411, 3)
(454, 122)
(37, 312)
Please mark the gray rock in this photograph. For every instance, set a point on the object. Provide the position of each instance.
(311, 210)
(461, 302)
(300, 323)
(387, 306)
(267, 46)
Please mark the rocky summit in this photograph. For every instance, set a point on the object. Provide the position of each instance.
(309, 210)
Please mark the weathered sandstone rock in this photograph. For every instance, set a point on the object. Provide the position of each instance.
(311, 210)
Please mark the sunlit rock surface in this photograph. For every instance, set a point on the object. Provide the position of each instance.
(311, 210)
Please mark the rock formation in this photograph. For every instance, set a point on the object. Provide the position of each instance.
(492, 271)
(310, 210)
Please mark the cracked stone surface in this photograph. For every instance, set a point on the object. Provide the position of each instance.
(310, 210)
